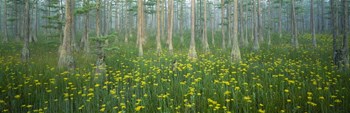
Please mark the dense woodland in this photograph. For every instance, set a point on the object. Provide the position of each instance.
(174, 56)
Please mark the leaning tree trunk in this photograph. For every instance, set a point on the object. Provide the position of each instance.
(192, 52)
(66, 59)
(235, 53)
(25, 50)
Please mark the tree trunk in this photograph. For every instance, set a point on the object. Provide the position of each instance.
(159, 46)
(345, 36)
(235, 53)
(205, 37)
(212, 21)
(256, 45)
(280, 19)
(25, 50)
(222, 24)
(140, 26)
(334, 30)
(66, 58)
(312, 25)
(269, 23)
(260, 31)
(295, 42)
(170, 25)
(181, 23)
(85, 39)
(5, 22)
(116, 20)
(192, 52)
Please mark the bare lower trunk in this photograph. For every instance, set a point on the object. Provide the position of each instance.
(235, 53)
(159, 48)
(140, 27)
(5, 22)
(312, 25)
(256, 45)
(205, 37)
(100, 62)
(345, 36)
(222, 24)
(66, 59)
(192, 52)
(25, 50)
(295, 42)
(170, 25)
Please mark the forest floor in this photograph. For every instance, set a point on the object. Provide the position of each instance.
(274, 79)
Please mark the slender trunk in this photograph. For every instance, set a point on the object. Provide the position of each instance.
(25, 50)
(140, 27)
(192, 52)
(280, 19)
(222, 24)
(260, 31)
(170, 25)
(235, 53)
(345, 36)
(116, 20)
(212, 26)
(100, 63)
(5, 22)
(205, 37)
(181, 23)
(74, 44)
(256, 45)
(334, 30)
(85, 39)
(269, 23)
(159, 47)
(312, 26)
(66, 58)
(294, 27)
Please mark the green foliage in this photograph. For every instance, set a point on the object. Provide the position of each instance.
(278, 78)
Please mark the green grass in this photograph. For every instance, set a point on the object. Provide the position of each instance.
(275, 79)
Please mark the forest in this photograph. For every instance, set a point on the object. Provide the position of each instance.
(174, 56)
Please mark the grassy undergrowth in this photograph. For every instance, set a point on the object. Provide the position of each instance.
(275, 79)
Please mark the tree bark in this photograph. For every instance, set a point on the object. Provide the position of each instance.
(192, 52)
(159, 46)
(222, 24)
(170, 25)
(345, 36)
(205, 37)
(85, 45)
(140, 26)
(5, 40)
(295, 42)
(66, 59)
(235, 53)
(269, 23)
(25, 50)
(312, 24)
(280, 19)
(256, 45)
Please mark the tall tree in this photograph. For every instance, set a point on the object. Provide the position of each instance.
(256, 45)
(205, 37)
(312, 25)
(280, 19)
(192, 52)
(170, 25)
(100, 62)
(66, 59)
(140, 26)
(222, 24)
(5, 39)
(345, 49)
(269, 21)
(235, 53)
(85, 44)
(159, 46)
(295, 42)
(334, 29)
(25, 50)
